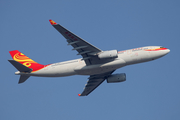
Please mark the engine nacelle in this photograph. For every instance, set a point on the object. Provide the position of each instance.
(116, 78)
(108, 54)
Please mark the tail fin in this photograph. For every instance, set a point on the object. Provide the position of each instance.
(25, 61)
(24, 64)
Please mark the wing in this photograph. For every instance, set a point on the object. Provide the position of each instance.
(85, 49)
(94, 81)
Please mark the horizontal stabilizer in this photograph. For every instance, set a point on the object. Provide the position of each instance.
(23, 78)
(19, 66)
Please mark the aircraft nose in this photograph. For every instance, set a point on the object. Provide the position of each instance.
(167, 51)
(160, 53)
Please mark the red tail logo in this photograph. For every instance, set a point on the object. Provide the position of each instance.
(26, 61)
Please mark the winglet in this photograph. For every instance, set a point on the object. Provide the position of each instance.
(79, 94)
(52, 22)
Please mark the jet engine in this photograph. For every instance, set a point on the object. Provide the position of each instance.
(108, 54)
(116, 78)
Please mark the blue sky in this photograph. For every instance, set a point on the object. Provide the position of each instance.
(151, 90)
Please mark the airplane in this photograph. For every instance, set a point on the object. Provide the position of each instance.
(96, 63)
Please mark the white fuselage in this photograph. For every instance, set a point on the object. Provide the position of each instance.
(79, 67)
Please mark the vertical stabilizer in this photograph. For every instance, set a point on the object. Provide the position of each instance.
(26, 61)
(24, 65)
